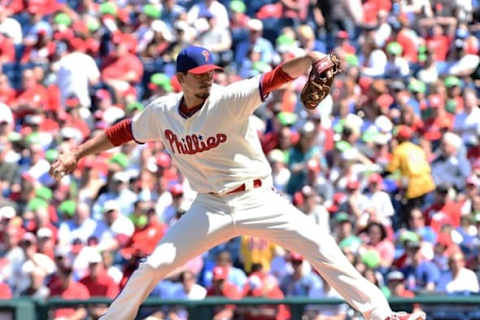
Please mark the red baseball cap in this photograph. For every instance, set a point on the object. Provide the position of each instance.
(295, 256)
(404, 132)
(219, 273)
(375, 178)
(353, 184)
(176, 189)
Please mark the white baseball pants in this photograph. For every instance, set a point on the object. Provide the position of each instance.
(263, 213)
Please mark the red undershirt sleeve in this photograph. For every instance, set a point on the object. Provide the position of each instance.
(120, 133)
(273, 80)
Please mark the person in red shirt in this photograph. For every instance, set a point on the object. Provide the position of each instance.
(7, 93)
(438, 43)
(98, 283)
(260, 284)
(221, 287)
(436, 122)
(122, 68)
(7, 49)
(443, 211)
(32, 97)
(148, 230)
(5, 291)
(66, 288)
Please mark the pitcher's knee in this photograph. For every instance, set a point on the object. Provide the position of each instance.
(163, 258)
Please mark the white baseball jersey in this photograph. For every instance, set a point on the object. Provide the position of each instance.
(217, 148)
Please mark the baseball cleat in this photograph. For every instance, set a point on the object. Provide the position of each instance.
(419, 315)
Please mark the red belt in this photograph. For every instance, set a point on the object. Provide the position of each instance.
(257, 183)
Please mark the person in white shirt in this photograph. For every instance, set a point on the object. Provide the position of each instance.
(10, 26)
(217, 9)
(467, 123)
(463, 279)
(379, 199)
(75, 72)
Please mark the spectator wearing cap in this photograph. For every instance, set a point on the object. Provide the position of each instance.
(120, 228)
(177, 208)
(396, 66)
(282, 134)
(345, 234)
(304, 150)
(435, 120)
(75, 73)
(67, 288)
(313, 208)
(379, 199)
(160, 84)
(421, 274)
(260, 284)
(98, 283)
(467, 122)
(443, 211)
(412, 163)
(429, 72)
(356, 202)
(235, 276)
(221, 287)
(396, 285)
(451, 166)
(148, 230)
(280, 172)
(216, 8)
(299, 283)
(466, 200)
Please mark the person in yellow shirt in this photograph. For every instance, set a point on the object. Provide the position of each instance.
(416, 178)
(256, 250)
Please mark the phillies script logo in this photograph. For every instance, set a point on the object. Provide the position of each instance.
(194, 143)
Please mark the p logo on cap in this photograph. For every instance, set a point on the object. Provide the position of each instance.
(196, 60)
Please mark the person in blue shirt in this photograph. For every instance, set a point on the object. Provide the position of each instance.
(421, 274)
(298, 283)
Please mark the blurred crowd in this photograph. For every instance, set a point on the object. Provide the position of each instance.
(389, 163)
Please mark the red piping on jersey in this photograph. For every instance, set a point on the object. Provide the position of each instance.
(120, 133)
(187, 113)
(273, 80)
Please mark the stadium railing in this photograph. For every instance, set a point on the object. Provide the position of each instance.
(438, 307)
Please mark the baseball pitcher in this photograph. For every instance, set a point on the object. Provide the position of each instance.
(208, 131)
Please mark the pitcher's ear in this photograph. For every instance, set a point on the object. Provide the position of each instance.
(181, 77)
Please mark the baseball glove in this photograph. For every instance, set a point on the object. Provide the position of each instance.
(320, 80)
